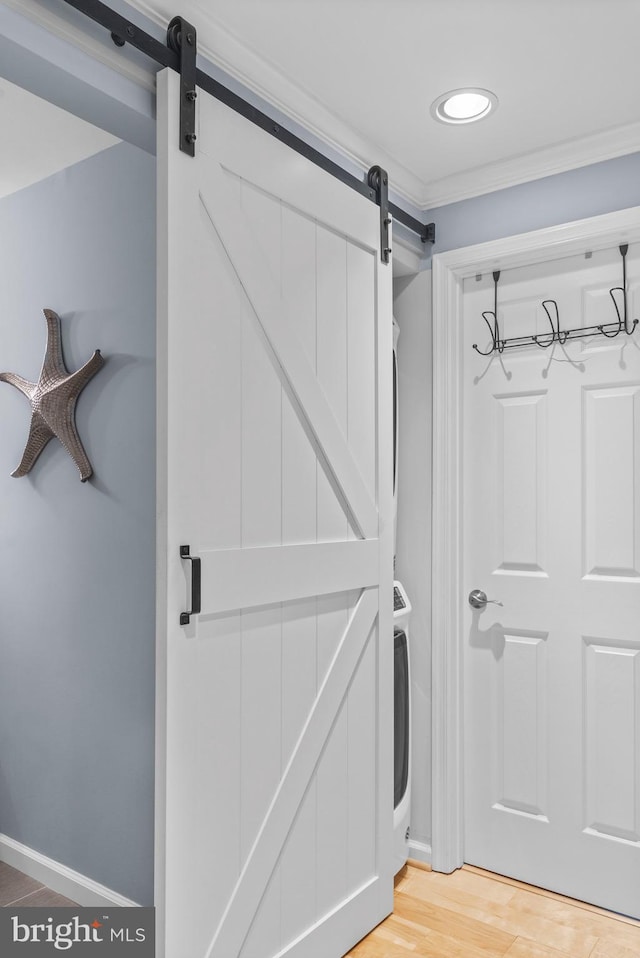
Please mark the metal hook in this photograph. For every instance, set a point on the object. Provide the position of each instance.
(616, 332)
(556, 335)
(496, 343)
(623, 320)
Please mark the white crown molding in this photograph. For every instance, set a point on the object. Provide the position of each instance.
(264, 78)
(65, 881)
(240, 61)
(60, 27)
(244, 64)
(532, 166)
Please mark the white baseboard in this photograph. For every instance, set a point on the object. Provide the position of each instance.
(65, 881)
(419, 852)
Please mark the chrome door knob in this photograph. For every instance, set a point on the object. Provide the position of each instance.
(478, 599)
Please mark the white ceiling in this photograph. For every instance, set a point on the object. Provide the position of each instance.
(363, 73)
(39, 139)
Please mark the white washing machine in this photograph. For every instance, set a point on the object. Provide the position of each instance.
(401, 727)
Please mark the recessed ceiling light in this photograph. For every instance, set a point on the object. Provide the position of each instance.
(464, 106)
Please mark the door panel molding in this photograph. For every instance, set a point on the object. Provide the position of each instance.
(449, 271)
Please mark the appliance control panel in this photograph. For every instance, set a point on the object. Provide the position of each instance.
(401, 604)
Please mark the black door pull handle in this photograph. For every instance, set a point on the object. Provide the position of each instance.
(196, 585)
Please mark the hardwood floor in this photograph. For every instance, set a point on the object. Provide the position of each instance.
(469, 914)
(474, 914)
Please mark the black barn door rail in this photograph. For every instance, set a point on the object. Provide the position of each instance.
(181, 58)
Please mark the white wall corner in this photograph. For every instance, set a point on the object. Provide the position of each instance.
(407, 258)
(419, 852)
(412, 309)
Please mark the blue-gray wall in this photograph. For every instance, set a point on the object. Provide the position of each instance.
(77, 560)
(561, 198)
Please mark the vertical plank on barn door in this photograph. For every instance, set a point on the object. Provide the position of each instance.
(361, 430)
(299, 524)
(288, 243)
(331, 782)
(261, 526)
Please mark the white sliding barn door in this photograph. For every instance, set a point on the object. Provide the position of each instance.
(552, 530)
(275, 726)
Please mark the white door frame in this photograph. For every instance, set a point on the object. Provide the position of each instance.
(449, 271)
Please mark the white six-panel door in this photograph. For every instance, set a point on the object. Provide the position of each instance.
(275, 703)
(552, 530)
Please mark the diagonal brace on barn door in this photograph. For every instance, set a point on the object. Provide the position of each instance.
(262, 860)
(297, 376)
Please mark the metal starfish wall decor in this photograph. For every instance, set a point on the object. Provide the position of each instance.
(53, 402)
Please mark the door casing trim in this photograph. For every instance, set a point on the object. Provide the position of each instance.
(449, 271)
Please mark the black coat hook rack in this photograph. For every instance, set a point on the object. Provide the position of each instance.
(557, 335)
